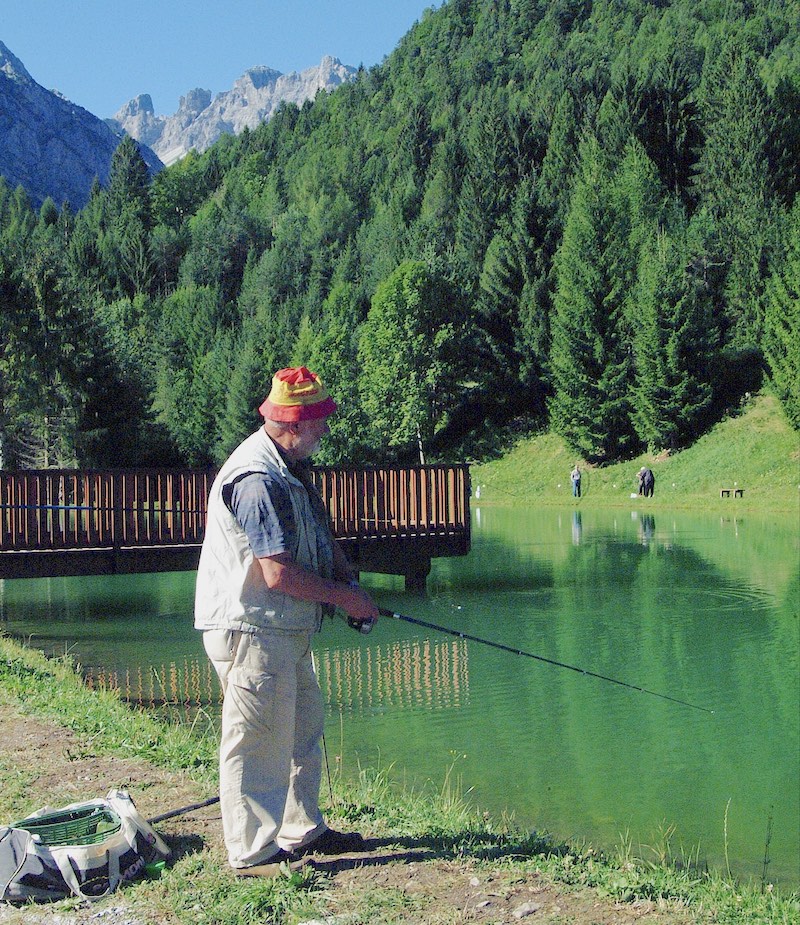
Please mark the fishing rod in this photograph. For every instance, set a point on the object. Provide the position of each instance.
(539, 658)
(184, 809)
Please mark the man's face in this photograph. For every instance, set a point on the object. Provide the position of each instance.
(308, 437)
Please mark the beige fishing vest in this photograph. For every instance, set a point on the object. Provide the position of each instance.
(231, 592)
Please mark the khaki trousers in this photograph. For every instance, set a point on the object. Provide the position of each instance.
(270, 760)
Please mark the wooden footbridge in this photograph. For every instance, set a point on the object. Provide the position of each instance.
(100, 522)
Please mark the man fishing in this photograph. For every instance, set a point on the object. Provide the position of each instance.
(269, 569)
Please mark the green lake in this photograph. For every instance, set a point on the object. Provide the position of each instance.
(704, 609)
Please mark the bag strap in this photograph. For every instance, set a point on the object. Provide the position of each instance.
(18, 839)
(70, 877)
(133, 821)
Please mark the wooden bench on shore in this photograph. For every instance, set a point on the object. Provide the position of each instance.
(726, 492)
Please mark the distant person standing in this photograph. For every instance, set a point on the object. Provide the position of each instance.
(575, 475)
(647, 482)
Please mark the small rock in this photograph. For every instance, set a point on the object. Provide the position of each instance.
(526, 909)
(474, 882)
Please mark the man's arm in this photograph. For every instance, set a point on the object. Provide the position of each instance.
(282, 573)
(342, 567)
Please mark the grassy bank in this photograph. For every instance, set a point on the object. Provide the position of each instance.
(435, 860)
(756, 450)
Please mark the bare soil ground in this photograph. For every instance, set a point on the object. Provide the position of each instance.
(430, 889)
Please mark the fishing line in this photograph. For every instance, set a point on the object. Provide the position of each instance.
(539, 658)
(324, 744)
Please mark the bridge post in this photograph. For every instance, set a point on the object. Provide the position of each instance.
(417, 574)
(118, 513)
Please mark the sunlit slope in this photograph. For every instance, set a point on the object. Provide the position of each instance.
(756, 450)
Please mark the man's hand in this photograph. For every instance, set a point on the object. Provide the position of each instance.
(361, 607)
(282, 573)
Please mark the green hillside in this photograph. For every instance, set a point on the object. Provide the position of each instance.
(756, 450)
(577, 216)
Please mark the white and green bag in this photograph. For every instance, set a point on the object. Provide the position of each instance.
(84, 849)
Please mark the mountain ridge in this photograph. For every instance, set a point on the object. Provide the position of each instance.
(49, 145)
(55, 148)
(201, 118)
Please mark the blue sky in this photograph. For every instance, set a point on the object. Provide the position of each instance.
(102, 53)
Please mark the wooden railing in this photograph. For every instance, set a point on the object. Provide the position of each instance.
(54, 509)
(418, 501)
(418, 513)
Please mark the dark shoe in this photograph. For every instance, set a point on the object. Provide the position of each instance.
(333, 842)
(281, 863)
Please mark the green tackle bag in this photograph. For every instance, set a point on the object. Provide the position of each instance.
(84, 849)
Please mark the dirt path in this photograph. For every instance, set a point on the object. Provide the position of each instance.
(58, 767)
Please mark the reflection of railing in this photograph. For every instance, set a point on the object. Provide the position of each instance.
(401, 675)
(98, 521)
(411, 673)
(192, 684)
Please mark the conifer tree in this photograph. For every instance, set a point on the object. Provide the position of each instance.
(486, 190)
(734, 187)
(637, 207)
(52, 352)
(558, 166)
(247, 387)
(513, 306)
(782, 321)
(331, 350)
(128, 219)
(590, 360)
(674, 343)
(668, 72)
(193, 371)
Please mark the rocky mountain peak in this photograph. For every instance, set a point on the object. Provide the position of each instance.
(261, 76)
(48, 144)
(201, 118)
(11, 66)
(140, 105)
(195, 101)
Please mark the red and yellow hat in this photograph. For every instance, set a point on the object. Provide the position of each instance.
(296, 395)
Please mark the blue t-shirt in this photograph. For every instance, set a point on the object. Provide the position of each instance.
(261, 504)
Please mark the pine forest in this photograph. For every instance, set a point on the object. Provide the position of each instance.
(576, 216)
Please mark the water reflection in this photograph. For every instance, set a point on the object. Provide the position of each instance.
(577, 528)
(403, 675)
(190, 685)
(411, 674)
(647, 529)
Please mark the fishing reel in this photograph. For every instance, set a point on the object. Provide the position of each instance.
(360, 626)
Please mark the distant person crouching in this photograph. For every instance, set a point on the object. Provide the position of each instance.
(647, 482)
